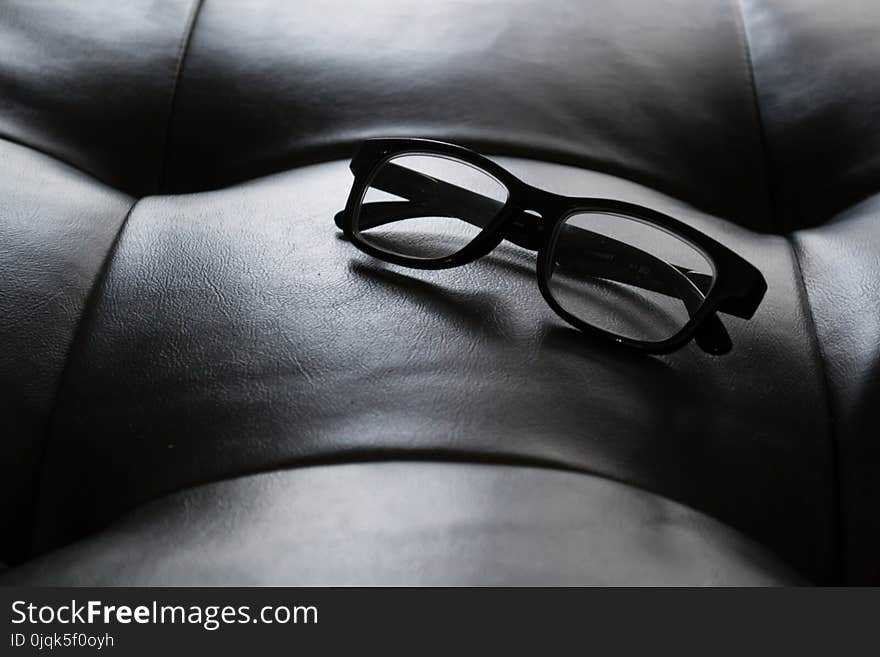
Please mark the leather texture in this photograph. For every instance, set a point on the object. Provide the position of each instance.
(93, 84)
(274, 343)
(841, 266)
(815, 71)
(411, 523)
(204, 383)
(56, 230)
(659, 93)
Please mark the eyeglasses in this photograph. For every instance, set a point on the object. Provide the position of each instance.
(612, 269)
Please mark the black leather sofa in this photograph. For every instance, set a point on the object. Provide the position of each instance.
(203, 384)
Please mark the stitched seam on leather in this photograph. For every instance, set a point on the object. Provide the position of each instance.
(820, 359)
(767, 162)
(182, 51)
(88, 310)
(816, 344)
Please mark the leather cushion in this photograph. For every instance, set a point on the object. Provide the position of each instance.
(657, 92)
(92, 85)
(816, 70)
(840, 263)
(56, 228)
(410, 524)
(235, 331)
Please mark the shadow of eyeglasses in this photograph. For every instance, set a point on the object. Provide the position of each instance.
(486, 315)
(481, 313)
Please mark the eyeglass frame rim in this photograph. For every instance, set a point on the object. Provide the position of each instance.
(737, 289)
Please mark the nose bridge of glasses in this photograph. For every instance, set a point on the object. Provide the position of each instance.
(525, 228)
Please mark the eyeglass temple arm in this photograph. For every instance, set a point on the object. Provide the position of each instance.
(445, 199)
(475, 208)
(440, 198)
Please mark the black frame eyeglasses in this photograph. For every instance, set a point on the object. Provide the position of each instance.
(612, 269)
